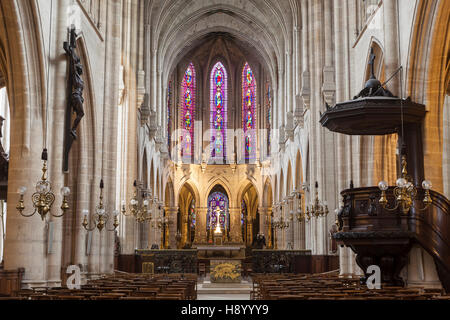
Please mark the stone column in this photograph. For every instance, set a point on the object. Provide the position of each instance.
(184, 229)
(285, 215)
(162, 232)
(391, 44)
(171, 229)
(2, 227)
(292, 220)
(249, 230)
(200, 228)
(269, 241)
(306, 86)
(263, 212)
(235, 225)
(25, 245)
(343, 261)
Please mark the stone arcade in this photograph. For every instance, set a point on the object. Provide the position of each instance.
(278, 137)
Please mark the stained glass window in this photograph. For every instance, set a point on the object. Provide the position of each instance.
(217, 211)
(188, 86)
(243, 212)
(218, 107)
(192, 216)
(248, 112)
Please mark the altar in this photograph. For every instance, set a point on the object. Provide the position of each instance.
(229, 251)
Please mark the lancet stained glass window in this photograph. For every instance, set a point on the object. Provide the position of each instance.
(248, 112)
(188, 86)
(192, 216)
(217, 211)
(218, 109)
(243, 211)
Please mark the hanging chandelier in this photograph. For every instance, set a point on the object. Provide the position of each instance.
(162, 221)
(405, 192)
(141, 213)
(43, 198)
(280, 223)
(100, 218)
(299, 214)
(317, 209)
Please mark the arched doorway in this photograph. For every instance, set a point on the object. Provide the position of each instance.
(164, 215)
(187, 217)
(250, 215)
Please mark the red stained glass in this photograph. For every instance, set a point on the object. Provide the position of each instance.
(188, 113)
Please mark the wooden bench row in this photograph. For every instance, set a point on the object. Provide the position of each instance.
(331, 287)
(122, 287)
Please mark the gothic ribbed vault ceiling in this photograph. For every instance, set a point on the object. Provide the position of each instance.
(266, 26)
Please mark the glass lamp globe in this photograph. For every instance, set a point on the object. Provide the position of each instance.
(426, 184)
(85, 212)
(22, 190)
(382, 185)
(145, 202)
(65, 191)
(42, 187)
(133, 202)
(401, 182)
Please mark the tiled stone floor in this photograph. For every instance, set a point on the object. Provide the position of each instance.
(208, 291)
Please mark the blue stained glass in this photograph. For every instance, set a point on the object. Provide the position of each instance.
(217, 211)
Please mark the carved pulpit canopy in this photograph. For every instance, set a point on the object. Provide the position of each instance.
(374, 111)
(373, 86)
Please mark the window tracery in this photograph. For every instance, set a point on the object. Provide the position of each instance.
(218, 107)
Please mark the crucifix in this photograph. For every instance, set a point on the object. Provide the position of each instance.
(372, 63)
(75, 100)
(217, 214)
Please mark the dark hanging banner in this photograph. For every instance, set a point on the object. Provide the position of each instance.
(75, 87)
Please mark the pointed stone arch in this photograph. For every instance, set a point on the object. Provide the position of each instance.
(192, 187)
(169, 195)
(281, 187)
(145, 176)
(267, 198)
(152, 178)
(428, 77)
(298, 171)
(219, 181)
(289, 179)
(244, 187)
(157, 191)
